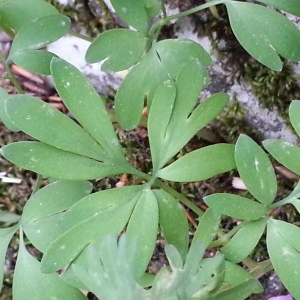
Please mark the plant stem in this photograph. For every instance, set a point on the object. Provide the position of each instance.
(10, 76)
(163, 8)
(155, 30)
(37, 184)
(8, 31)
(179, 197)
(262, 268)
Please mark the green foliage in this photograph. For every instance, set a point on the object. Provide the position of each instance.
(76, 229)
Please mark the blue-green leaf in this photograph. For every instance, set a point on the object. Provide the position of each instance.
(294, 114)
(47, 124)
(142, 226)
(236, 206)
(207, 227)
(264, 33)
(133, 13)
(291, 6)
(172, 221)
(121, 49)
(5, 237)
(50, 161)
(255, 170)
(284, 152)
(16, 13)
(30, 283)
(200, 164)
(284, 251)
(240, 247)
(88, 221)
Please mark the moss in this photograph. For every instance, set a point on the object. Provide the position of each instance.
(232, 123)
(273, 89)
(94, 18)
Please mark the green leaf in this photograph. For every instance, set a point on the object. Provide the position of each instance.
(283, 248)
(200, 164)
(236, 206)
(285, 153)
(3, 115)
(54, 198)
(255, 170)
(121, 49)
(133, 13)
(47, 124)
(108, 266)
(39, 33)
(35, 35)
(30, 283)
(207, 227)
(291, 6)
(264, 33)
(294, 111)
(16, 13)
(50, 161)
(244, 241)
(36, 61)
(8, 217)
(142, 226)
(294, 197)
(88, 221)
(86, 105)
(240, 291)
(42, 232)
(152, 7)
(5, 236)
(158, 120)
(236, 275)
(140, 83)
(173, 222)
(181, 132)
(181, 51)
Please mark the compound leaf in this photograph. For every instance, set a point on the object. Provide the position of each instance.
(294, 114)
(85, 104)
(52, 162)
(200, 164)
(236, 206)
(207, 227)
(5, 236)
(291, 6)
(255, 170)
(284, 152)
(133, 13)
(54, 198)
(238, 247)
(3, 115)
(89, 220)
(173, 222)
(36, 285)
(121, 49)
(283, 248)
(47, 124)
(264, 33)
(142, 226)
(16, 13)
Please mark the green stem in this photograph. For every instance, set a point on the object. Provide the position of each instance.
(179, 196)
(81, 36)
(10, 76)
(262, 268)
(163, 8)
(155, 30)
